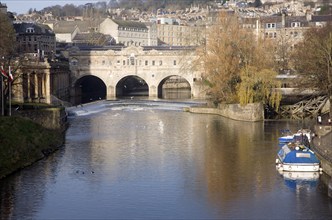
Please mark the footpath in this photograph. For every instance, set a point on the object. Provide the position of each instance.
(322, 145)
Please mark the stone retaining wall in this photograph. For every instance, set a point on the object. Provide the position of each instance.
(250, 112)
(322, 146)
(51, 118)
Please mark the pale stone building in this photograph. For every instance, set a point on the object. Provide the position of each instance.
(42, 81)
(113, 66)
(66, 31)
(130, 32)
(181, 35)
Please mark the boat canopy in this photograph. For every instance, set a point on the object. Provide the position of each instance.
(303, 155)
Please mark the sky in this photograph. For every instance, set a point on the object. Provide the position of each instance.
(21, 6)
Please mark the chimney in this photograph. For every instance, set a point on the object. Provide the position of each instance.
(308, 15)
(283, 20)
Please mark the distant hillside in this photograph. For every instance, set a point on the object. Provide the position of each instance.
(102, 7)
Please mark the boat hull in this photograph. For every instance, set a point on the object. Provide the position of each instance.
(301, 176)
(299, 167)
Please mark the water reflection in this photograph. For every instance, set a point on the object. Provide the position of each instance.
(23, 192)
(300, 180)
(143, 162)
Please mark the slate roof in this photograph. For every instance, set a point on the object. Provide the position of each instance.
(130, 24)
(70, 26)
(291, 19)
(145, 48)
(271, 19)
(321, 18)
(39, 29)
(88, 36)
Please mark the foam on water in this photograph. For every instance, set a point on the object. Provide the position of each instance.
(128, 105)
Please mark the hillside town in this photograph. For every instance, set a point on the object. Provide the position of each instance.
(174, 28)
(46, 39)
(167, 109)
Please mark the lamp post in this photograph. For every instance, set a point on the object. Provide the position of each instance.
(2, 95)
(2, 98)
(10, 92)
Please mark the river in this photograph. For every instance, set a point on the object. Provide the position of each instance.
(150, 160)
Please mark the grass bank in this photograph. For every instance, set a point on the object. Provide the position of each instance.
(23, 142)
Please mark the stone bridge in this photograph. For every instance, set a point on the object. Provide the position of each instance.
(110, 72)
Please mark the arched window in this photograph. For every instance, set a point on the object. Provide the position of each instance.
(132, 59)
(74, 62)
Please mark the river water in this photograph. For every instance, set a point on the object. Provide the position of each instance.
(151, 160)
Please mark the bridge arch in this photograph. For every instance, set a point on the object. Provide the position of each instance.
(131, 85)
(89, 88)
(155, 65)
(174, 87)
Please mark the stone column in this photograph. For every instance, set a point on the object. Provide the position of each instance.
(35, 76)
(110, 93)
(28, 88)
(47, 87)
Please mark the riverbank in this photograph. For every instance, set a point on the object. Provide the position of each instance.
(322, 143)
(24, 141)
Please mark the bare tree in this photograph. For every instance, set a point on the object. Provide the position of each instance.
(313, 61)
(236, 66)
(7, 54)
(283, 52)
(7, 36)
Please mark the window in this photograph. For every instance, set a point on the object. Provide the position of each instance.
(146, 62)
(174, 62)
(153, 62)
(30, 30)
(132, 60)
(296, 24)
(160, 62)
(271, 25)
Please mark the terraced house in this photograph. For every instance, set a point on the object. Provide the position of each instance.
(35, 38)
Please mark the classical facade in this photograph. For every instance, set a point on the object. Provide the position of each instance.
(151, 65)
(42, 81)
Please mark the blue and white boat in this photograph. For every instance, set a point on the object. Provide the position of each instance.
(303, 136)
(297, 157)
(286, 138)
